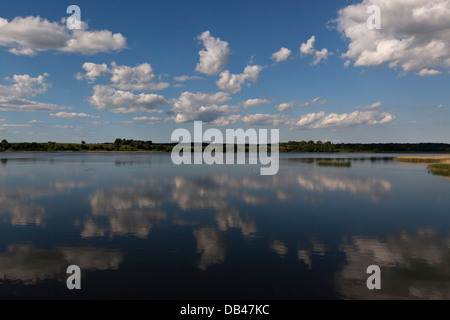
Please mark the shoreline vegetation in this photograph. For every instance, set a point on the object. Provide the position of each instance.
(424, 159)
(124, 145)
(437, 165)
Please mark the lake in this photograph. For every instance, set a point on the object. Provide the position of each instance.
(140, 227)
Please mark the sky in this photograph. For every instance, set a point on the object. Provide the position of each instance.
(142, 69)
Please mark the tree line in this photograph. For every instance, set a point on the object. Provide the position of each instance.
(130, 145)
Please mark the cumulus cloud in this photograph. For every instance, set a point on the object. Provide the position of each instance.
(150, 120)
(223, 121)
(233, 82)
(307, 49)
(139, 78)
(67, 127)
(285, 106)
(186, 78)
(30, 35)
(317, 120)
(118, 101)
(93, 71)
(266, 119)
(25, 86)
(214, 56)
(201, 106)
(321, 120)
(415, 35)
(282, 55)
(66, 115)
(35, 121)
(16, 125)
(428, 72)
(290, 106)
(250, 103)
(16, 96)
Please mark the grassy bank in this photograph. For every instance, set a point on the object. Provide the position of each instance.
(440, 169)
(424, 159)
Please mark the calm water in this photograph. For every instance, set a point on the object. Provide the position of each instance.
(140, 227)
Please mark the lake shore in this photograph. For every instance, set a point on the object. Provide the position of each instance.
(424, 159)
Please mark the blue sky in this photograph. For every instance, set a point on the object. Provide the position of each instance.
(141, 69)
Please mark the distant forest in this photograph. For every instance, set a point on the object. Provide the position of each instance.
(124, 145)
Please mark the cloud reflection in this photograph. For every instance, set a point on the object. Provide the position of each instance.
(128, 211)
(211, 246)
(18, 209)
(413, 266)
(372, 188)
(30, 265)
(230, 218)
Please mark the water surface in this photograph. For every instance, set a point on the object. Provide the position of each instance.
(140, 227)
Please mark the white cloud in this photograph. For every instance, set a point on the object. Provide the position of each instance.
(201, 106)
(309, 119)
(186, 78)
(118, 101)
(233, 82)
(372, 106)
(35, 121)
(66, 115)
(282, 55)
(285, 106)
(139, 78)
(99, 123)
(93, 71)
(92, 42)
(214, 56)
(223, 121)
(266, 119)
(24, 86)
(321, 120)
(440, 106)
(30, 35)
(428, 72)
(317, 120)
(290, 106)
(414, 36)
(27, 105)
(67, 127)
(15, 97)
(16, 125)
(307, 49)
(149, 120)
(313, 102)
(250, 103)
